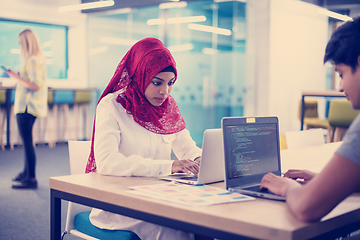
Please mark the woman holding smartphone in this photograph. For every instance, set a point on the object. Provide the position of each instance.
(30, 102)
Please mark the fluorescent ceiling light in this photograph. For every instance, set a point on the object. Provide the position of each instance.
(210, 29)
(83, 6)
(15, 51)
(122, 11)
(334, 14)
(98, 50)
(118, 41)
(18, 51)
(244, 1)
(158, 21)
(176, 20)
(187, 19)
(210, 51)
(168, 5)
(113, 12)
(47, 44)
(181, 48)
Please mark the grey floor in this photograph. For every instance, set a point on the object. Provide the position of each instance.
(25, 214)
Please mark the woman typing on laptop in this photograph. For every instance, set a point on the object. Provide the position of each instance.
(137, 124)
(320, 193)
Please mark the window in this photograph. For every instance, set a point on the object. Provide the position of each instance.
(53, 41)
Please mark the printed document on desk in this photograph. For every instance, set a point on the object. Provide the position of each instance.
(191, 195)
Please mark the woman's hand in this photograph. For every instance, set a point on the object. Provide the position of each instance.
(276, 184)
(302, 176)
(185, 166)
(26, 83)
(12, 74)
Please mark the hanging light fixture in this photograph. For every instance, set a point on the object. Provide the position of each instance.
(175, 4)
(160, 21)
(84, 6)
(210, 29)
(334, 15)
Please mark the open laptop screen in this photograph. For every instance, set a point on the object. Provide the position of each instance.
(251, 146)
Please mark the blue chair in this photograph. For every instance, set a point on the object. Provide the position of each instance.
(77, 221)
(83, 224)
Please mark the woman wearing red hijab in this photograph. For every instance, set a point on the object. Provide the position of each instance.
(137, 124)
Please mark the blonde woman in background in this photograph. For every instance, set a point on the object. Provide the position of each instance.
(30, 102)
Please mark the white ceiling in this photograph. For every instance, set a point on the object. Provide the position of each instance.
(342, 6)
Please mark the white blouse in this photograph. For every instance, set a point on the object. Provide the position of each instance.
(124, 148)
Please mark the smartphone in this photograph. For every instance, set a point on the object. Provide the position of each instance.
(4, 68)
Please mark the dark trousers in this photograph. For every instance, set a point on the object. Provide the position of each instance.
(25, 123)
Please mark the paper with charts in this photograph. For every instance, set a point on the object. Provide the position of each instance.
(191, 195)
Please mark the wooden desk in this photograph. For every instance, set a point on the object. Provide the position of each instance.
(259, 219)
(315, 94)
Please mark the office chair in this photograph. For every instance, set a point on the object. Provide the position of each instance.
(77, 220)
(282, 140)
(311, 116)
(341, 115)
(312, 120)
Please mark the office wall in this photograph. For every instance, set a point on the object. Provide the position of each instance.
(46, 12)
(290, 60)
(209, 86)
(285, 41)
(298, 37)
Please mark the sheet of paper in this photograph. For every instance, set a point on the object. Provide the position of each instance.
(191, 195)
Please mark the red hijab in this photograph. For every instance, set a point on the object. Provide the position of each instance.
(142, 62)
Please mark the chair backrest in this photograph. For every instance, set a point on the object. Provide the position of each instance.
(299, 139)
(341, 113)
(282, 140)
(2, 96)
(82, 96)
(78, 155)
(310, 108)
(50, 96)
(63, 96)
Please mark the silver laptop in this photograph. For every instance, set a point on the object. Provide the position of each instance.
(212, 161)
(252, 149)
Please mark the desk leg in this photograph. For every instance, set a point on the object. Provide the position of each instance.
(302, 109)
(55, 218)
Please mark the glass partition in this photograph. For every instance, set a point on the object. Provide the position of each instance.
(208, 42)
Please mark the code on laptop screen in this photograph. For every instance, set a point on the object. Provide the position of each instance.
(253, 149)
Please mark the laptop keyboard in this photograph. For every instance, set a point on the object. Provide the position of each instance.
(193, 178)
(256, 188)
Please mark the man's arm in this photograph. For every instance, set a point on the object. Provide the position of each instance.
(311, 201)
